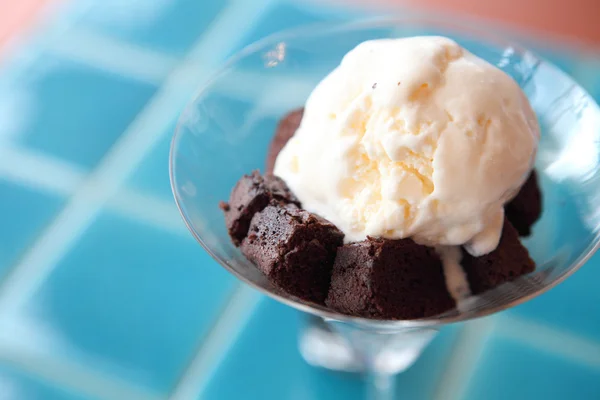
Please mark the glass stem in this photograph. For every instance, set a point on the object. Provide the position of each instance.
(380, 353)
(380, 385)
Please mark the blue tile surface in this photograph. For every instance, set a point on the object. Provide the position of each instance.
(77, 112)
(134, 301)
(510, 370)
(420, 380)
(225, 111)
(231, 122)
(572, 305)
(267, 347)
(135, 298)
(590, 79)
(286, 15)
(152, 175)
(15, 385)
(169, 26)
(265, 364)
(565, 61)
(23, 213)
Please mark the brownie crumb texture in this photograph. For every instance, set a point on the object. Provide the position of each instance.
(388, 279)
(509, 261)
(304, 255)
(285, 130)
(252, 194)
(294, 249)
(525, 209)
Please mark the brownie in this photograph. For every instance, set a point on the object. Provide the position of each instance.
(295, 249)
(388, 279)
(509, 261)
(252, 194)
(304, 255)
(525, 209)
(285, 130)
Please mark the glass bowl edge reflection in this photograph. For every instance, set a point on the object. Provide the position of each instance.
(452, 316)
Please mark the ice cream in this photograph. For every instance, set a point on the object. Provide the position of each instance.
(413, 138)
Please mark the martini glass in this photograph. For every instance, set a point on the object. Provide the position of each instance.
(225, 131)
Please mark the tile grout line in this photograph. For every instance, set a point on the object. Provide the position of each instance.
(229, 21)
(77, 379)
(240, 305)
(60, 178)
(214, 348)
(116, 56)
(129, 150)
(39, 171)
(150, 210)
(152, 66)
(463, 359)
(62, 17)
(585, 348)
(551, 340)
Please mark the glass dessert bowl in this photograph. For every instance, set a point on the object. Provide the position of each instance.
(225, 133)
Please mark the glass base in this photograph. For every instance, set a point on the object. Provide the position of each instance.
(341, 348)
(321, 346)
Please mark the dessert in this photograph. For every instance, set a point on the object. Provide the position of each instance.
(522, 211)
(250, 195)
(294, 248)
(508, 261)
(284, 132)
(386, 279)
(526, 207)
(396, 188)
(431, 148)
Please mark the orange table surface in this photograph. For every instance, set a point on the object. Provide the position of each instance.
(575, 20)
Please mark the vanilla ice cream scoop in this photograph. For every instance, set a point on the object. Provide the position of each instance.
(413, 137)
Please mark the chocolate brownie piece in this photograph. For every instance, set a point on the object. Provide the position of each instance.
(388, 279)
(252, 194)
(294, 249)
(285, 130)
(509, 261)
(526, 207)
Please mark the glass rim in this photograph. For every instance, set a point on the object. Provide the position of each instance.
(324, 28)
